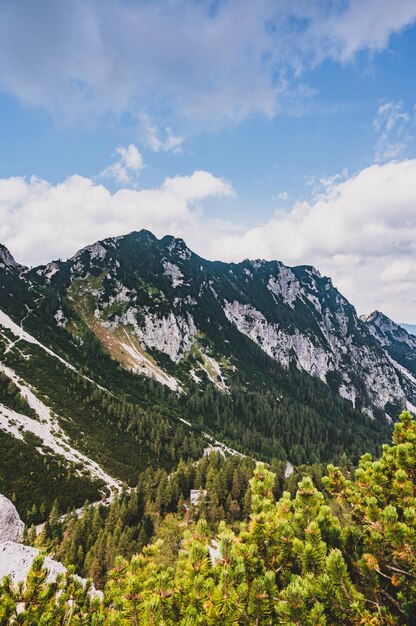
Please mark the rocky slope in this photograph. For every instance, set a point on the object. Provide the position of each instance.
(411, 328)
(138, 352)
(6, 259)
(400, 344)
(15, 558)
(11, 526)
(147, 298)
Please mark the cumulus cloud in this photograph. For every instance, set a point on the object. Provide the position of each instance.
(40, 221)
(124, 171)
(360, 230)
(131, 157)
(209, 62)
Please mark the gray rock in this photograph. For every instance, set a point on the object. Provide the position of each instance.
(16, 561)
(6, 259)
(15, 558)
(11, 526)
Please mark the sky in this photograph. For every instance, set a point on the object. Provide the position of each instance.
(277, 129)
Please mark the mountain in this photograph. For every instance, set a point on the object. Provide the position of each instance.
(400, 344)
(138, 352)
(153, 303)
(6, 259)
(411, 328)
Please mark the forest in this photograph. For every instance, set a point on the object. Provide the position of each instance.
(333, 549)
(134, 423)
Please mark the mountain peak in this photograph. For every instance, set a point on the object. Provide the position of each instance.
(411, 328)
(310, 269)
(99, 248)
(374, 315)
(6, 259)
(95, 250)
(177, 246)
(381, 320)
(388, 332)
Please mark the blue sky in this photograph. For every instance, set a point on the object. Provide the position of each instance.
(271, 129)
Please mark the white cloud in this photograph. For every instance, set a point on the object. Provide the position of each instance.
(396, 131)
(172, 143)
(131, 157)
(361, 231)
(207, 62)
(359, 25)
(283, 195)
(151, 137)
(40, 221)
(125, 170)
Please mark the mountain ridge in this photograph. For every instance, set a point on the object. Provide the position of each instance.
(411, 328)
(167, 324)
(271, 360)
(6, 258)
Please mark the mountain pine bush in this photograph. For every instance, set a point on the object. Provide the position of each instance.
(341, 557)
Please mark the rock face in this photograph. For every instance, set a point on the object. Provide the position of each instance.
(387, 332)
(147, 299)
(6, 259)
(16, 561)
(15, 558)
(411, 328)
(398, 343)
(11, 526)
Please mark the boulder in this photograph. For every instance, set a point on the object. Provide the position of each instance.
(11, 526)
(17, 559)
